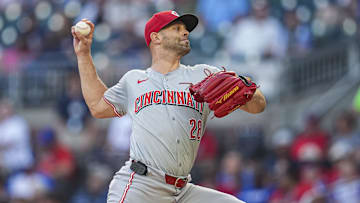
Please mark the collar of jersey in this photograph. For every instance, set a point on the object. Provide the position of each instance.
(154, 73)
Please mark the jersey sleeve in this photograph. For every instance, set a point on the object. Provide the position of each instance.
(117, 96)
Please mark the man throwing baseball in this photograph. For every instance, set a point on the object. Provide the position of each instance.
(169, 104)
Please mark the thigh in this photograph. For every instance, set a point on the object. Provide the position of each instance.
(199, 194)
(128, 187)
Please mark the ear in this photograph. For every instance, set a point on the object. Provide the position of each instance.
(155, 38)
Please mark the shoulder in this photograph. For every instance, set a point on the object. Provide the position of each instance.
(201, 67)
(135, 73)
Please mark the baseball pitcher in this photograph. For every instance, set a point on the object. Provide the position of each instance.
(169, 104)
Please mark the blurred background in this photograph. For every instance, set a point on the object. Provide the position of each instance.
(304, 55)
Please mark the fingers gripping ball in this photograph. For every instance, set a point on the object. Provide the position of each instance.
(83, 28)
(223, 91)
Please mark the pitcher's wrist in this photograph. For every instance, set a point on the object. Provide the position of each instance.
(83, 56)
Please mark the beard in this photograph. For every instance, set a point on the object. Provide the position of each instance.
(181, 47)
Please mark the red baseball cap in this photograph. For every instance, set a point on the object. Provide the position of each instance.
(161, 19)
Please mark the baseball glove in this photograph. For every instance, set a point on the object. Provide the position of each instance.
(224, 91)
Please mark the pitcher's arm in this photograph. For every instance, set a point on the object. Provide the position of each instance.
(92, 86)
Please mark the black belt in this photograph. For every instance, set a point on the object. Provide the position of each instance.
(138, 167)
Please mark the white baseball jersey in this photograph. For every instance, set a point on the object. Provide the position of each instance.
(167, 122)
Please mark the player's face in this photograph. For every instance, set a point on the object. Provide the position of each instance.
(176, 38)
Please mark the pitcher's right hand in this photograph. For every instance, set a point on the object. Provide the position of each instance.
(81, 43)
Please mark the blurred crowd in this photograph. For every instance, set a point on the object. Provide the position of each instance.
(247, 30)
(306, 165)
(73, 159)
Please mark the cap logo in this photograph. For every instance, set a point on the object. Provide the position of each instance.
(174, 13)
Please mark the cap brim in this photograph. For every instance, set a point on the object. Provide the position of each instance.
(189, 20)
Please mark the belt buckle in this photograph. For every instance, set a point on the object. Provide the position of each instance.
(177, 181)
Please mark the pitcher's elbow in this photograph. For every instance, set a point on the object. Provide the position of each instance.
(94, 113)
(261, 106)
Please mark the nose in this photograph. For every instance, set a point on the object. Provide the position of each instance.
(186, 33)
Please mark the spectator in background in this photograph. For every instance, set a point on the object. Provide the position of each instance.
(233, 175)
(258, 36)
(298, 35)
(261, 191)
(204, 174)
(215, 14)
(122, 15)
(29, 186)
(281, 142)
(283, 170)
(284, 188)
(127, 19)
(118, 140)
(91, 10)
(346, 129)
(55, 160)
(346, 137)
(337, 152)
(327, 24)
(250, 141)
(76, 129)
(312, 182)
(309, 151)
(95, 188)
(278, 159)
(347, 187)
(208, 149)
(204, 171)
(312, 143)
(94, 150)
(15, 58)
(71, 106)
(15, 145)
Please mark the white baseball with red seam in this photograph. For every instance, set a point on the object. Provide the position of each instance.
(83, 28)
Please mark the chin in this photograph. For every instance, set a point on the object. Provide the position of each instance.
(185, 51)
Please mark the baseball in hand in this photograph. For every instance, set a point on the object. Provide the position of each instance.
(83, 28)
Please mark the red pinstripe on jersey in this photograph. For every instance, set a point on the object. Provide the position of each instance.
(127, 187)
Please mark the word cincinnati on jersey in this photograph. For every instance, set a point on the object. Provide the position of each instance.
(167, 97)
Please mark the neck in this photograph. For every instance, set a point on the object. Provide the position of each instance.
(165, 61)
